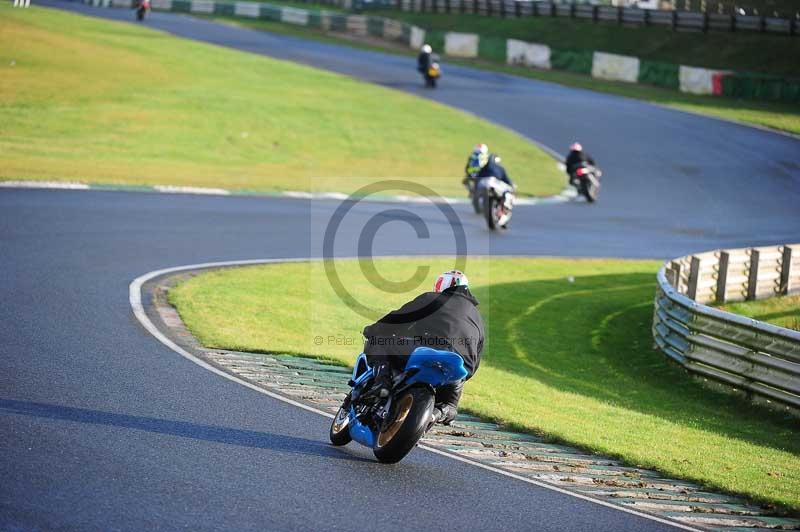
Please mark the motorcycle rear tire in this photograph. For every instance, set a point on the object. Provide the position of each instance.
(412, 415)
(588, 192)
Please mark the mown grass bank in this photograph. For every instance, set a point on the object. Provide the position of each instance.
(779, 116)
(571, 360)
(88, 100)
(782, 311)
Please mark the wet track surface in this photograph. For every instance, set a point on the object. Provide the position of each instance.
(105, 428)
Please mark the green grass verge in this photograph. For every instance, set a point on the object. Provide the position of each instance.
(568, 360)
(779, 116)
(782, 311)
(747, 51)
(89, 100)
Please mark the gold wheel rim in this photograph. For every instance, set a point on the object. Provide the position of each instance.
(402, 413)
(341, 421)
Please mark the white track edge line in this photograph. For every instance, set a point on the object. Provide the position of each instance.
(135, 298)
(566, 194)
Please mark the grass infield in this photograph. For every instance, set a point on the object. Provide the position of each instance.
(569, 356)
(782, 311)
(95, 101)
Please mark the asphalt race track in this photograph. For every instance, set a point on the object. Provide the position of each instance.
(664, 171)
(105, 428)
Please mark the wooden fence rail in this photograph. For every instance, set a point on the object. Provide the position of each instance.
(676, 19)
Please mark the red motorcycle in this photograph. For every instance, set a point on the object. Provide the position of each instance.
(587, 180)
(142, 9)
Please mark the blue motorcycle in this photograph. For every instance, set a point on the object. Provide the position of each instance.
(391, 422)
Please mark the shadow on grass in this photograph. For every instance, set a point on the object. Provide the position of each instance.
(792, 313)
(593, 338)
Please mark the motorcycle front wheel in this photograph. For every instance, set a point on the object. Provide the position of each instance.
(340, 427)
(489, 208)
(411, 415)
(476, 202)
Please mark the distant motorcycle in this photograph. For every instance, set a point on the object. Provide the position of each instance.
(142, 9)
(391, 422)
(433, 74)
(586, 179)
(498, 202)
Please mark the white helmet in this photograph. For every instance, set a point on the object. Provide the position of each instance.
(449, 280)
(576, 146)
(482, 151)
(426, 49)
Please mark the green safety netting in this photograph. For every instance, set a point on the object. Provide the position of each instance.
(183, 6)
(270, 12)
(406, 33)
(375, 26)
(760, 87)
(223, 8)
(362, 5)
(436, 40)
(659, 74)
(314, 19)
(579, 61)
(493, 48)
(338, 22)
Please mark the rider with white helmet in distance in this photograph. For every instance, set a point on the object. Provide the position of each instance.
(482, 163)
(446, 319)
(424, 58)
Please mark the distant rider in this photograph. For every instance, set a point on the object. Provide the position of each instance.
(446, 319)
(424, 59)
(482, 163)
(575, 159)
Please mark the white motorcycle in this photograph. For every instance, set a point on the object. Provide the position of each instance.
(498, 202)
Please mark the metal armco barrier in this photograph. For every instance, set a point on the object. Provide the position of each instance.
(757, 358)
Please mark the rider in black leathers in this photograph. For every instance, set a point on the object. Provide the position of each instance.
(448, 320)
(494, 168)
(576, 158)
(482, 164)
(424, 59)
